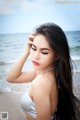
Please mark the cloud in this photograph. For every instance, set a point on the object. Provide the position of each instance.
(11, 6)
(14, 6)
(6, 7)
(27, 4)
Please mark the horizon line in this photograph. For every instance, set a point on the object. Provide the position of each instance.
(30, 32)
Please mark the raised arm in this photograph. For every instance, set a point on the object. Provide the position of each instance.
(15, 75)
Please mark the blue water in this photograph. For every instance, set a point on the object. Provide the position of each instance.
(11, 47)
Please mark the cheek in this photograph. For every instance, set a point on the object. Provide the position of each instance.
(49, 59)
(31, 53)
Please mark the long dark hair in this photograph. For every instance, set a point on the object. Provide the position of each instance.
(67, 108)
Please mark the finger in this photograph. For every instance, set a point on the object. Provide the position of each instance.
(31, 37)
(30, 42)
(32, 34)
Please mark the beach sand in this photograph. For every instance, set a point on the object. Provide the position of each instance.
(10, 102)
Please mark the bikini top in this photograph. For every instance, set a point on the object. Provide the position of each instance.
(28, 106)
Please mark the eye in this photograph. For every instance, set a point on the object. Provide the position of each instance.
(34, 49)
(44, 53)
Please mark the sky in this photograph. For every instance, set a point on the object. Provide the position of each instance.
(22, 16)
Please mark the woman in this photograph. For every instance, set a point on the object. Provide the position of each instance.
(50, 95)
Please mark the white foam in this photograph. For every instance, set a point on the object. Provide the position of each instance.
(75, 58)
(7, 89)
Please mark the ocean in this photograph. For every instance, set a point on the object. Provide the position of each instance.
(12, 46)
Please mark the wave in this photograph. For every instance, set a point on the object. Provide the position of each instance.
(2, 62)
(8, 89)
(76, 70)
(17, 89)
(7, 62)
(75, 58)
(76, 48)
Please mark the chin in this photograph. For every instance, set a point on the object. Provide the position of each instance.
(37, 68)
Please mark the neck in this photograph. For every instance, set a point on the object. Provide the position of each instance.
(40, 72)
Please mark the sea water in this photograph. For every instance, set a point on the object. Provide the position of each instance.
(13, 45)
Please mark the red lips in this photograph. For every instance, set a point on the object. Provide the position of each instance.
(35, 63)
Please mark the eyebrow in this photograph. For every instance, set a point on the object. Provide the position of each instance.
(41, 48)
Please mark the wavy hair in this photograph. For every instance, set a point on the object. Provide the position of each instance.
(67, 108)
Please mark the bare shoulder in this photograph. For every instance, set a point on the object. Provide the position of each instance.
(44, 87)
(44, 84)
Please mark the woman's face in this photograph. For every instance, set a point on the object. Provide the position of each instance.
(42, 55)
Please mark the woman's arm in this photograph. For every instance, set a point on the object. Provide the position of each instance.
(16, 75)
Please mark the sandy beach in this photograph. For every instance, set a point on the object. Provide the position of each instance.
(10, 102)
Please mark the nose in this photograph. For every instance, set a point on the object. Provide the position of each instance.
(37, 55)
